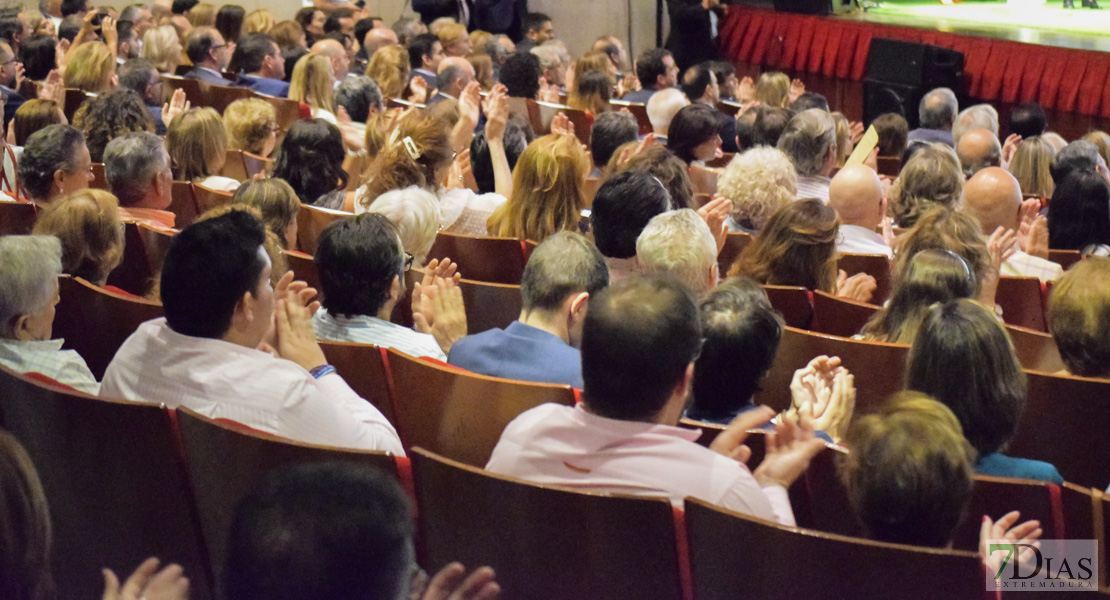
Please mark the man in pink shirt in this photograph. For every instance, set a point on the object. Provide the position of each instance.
(639, 342)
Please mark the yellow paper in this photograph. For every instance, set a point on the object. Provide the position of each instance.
(864, 147)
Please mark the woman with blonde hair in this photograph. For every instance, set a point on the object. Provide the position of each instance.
(591, 62)
(389, 67)
(259, 21)
(162, 47)
(843, 138)
(197, 145)
(455, 40)
(251, 125)
(314, 84)
(758, 181)
(91, 68)
(931, 177)
(797, 247)
(592, 93)
(548, 190)
(1101, 140)
(773, 89)
(88, 224)
(1030, 166)
(203, 15)
(483, 69)
(276, 202)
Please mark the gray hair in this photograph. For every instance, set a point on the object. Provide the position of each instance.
(49, 149)
(937, 109)
(550, 56)
(980, 116)
(565, 263)
(663, 106)
(360, 95)
(806, 140)
(130, 163)
(678, 244)
(32, 264)
(448, 75)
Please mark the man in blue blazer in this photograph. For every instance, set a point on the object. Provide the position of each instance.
(262, 64)
(541, 345)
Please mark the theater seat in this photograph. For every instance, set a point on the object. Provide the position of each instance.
(183, 204)
(363, 367)
(17, 218)
(793, 303)
(840, 316)
(311, 221)
(480, 258)
(875, 265)
(208, 198)
(1023, 302)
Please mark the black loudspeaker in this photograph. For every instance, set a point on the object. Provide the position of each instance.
(899, 73)
(805, 7)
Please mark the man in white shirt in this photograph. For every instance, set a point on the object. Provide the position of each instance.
(640, 339)
(994, 197)
(856, 194)
(809, 141)
(205, 354)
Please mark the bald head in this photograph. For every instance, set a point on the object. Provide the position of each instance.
(978, 149)
(994, 197)
(340, 62)
(454, 74)
(857, 196)
(378, 37)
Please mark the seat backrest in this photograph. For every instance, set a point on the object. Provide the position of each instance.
(458, 414)
(590, 190)
(195, 90)
(226, 461)
(639, 111)
(255, 164)
(703, 180)
(878, 367)
(220, 96)
(134, 273)
(311, 221)
(491, 259)
(208, 198)
(840, 316)
(1065, 258)
(100, 179)
(363, 367)
(794, 303)
(74, 98)
(1036, 350)
(773, 562)
(286, 111)
(304, 269)
(875, 265)
(234, 167)
(996, 496)
(1022, 302)
(735, 242)
(1065, 423)
(95, 322)
(721, 161)
(183, 204)
(114, 480)
(890, 165)
(489, 305)
(16, 218)
(545, 542)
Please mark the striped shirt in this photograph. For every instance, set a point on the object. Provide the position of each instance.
(813, 186)
(363, 329)
(47, 357)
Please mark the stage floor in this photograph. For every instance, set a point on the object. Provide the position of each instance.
(1036, 22)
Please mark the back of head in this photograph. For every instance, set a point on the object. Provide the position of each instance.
(131, 162)
(32, 116)
(856, 195)
(807, 139)
(197, 143)
(39, 57)
(109, 116)
(87, 223)
(1079, 155)
(678, 244)
(639, 337)
(769, 124)
(137, 74)
(357, 260)
(622, 207)
(796, 247)
(90, 68)
(321, 530)
(1079, 317)
(937, 109)
(208, 268)
(994, 197)
(909, 474)
(360, 96)
(610, 130)
(251, 51)
(1028, 120)
(978, 149)
(547, 190)
(1079, 212)
(311, 159)
(313, 82)
(696, 80)
(275, 200)
(668, 169)
(415, 212)
(979, 116)
(759, 181)
(516, 138)
(931, 177)
(564, 265)
(893, 132)
(53, 148)
(199, 43)
(962, 356)
(692, 126)
(1031, 165)
(741, 331)
(1101, 140)
(521, 75)
(229, 21)
(24, 525)
(250, 123)
(930, 276)
(28, 282)
(943, 228)
(395, 168)
(650, 66)
(773, 89)
(810, 101)
(663, 106)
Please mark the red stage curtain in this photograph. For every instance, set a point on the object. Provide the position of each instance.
(997, 70)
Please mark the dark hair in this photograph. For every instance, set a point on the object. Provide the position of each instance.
(563, 264)
(362, 27)
(962, 356)
(695, 81)
(521, 75)
(532, 21)
(659, 162)
(769, 124)
(137, 74)
(332, 530)
(810, 100)
(1079, 155)
(124, 30)
(207, 269)
(1028, 120)
(39, 57)
(1079, 213)
(304, 18)
(622, 208)
(610, 131)
(359, 94)
(741, 332)
(251, 51)
(49, 149)
(32, 116)
(722, 70)
(180, 7)
(332, 24)
(893, 130)
(73, 7)
(516, 138)
(913, 148)
(639, 336)
(291, 55)
(357, 259)
(199, 43)
(745, 128)
(109, 116)
(69, 27)
(421, 46)
(650, 66)
(25, 569)
(691, 127)
(311, 159)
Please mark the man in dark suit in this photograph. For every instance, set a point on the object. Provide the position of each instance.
(693, 36)
(262, 64)
(209, 54)
(699, 83)
(536, 28)
(8, 66)
(455, 73)
(656, 71)
(425, 53)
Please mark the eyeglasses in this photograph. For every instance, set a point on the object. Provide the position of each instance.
(408, 262)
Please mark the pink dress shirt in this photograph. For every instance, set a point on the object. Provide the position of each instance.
(570, 447)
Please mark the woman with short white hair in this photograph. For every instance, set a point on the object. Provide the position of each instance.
(28, 294)
(415, 212)
(758, 182)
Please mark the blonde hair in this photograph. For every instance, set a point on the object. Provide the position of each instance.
(843, 138)
(547, 190)
(1031, 167)
(758, 181)
(162, 47)
(287, 34)
(415, 212)
(275, 200)
(1101, 140)
(449, 34)
(203, 15)
(32, 116)
(312, 82)
(591, 62)
(197, 144)
(259, 21)
(88, 224)
(390, 68)
(932, 176)
(483, 69)
(943, 228)
(249, 123)
(90, 69)
(773, 89)
(395, 169)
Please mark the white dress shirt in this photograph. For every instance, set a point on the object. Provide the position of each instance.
(221, 380)
(47, 357)
(813, 186)
(363, 329)
(1021, 264)
(854, 239)
(560, 445)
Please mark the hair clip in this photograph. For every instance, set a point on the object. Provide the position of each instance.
(411, 148)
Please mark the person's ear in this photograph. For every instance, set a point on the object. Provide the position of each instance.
(578, 305)
(396, 289)
(244, 313)
(124, 48)
(59, 179)
(20, 324)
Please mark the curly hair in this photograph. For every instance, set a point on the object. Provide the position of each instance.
(395, 169)
(796, 247)
(758, 182)
(109, 116)
(249, 123)
(311, 159)
(932, 176)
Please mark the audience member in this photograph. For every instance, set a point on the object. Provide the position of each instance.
(259, 21)
(276, 202)
(893, 131)
(162, 48)
(661, 109)
(758, 182)
(1079, 318)
(994, 198)
(516, 138)
(657, 161)
(1101, 140)
(942, 228)
(139, 75)
(109, 116)
(591, 93)
(425, 53)
(548, 194)
(229, 22)
(610, 131)
(679, 244)
(808, 101)
(536, 29)
(88, 224)
(622, 207)
(202, 15)
(197, 143)
(361, 98)
(521, 75)
(772, 89)
(455, 74)
(770, 122)
(314, 84)
(1028, 120)
(930, 276)
(978, 149)
(40, 57)
(936, 113)
(809, 141)
(137, 167)
(54, 162)
(1079, 215)
(931, 177)
(91, 68)
(336, 53)
(1032, 167)
(260, 65)
(209, 54)
(1078, 155)
(979, 116)
(251, 125)
(695, 133)
(856, 194)
(415, 213)
(656, 70)
(311, 161)
(32, 116)
(389, 68)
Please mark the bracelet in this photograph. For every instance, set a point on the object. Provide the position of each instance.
(318, 372)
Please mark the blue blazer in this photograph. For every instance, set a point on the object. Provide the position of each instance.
(519, 352)
(264, 85)
(206, 76)
(639, 96)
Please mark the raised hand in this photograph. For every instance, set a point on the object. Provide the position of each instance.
(1004, 529)
(797, 88)
(730, 442)
(858, 287)
(1000, 245)
(789, 451)
(470, 101)
(147, 584)
(419, 90)
(715, 213)
(745, 90)
(449, 584)
(1009, 148)
(561, 125)
(53, 88)
(441, 313)
(177, 105)
(295, 338)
